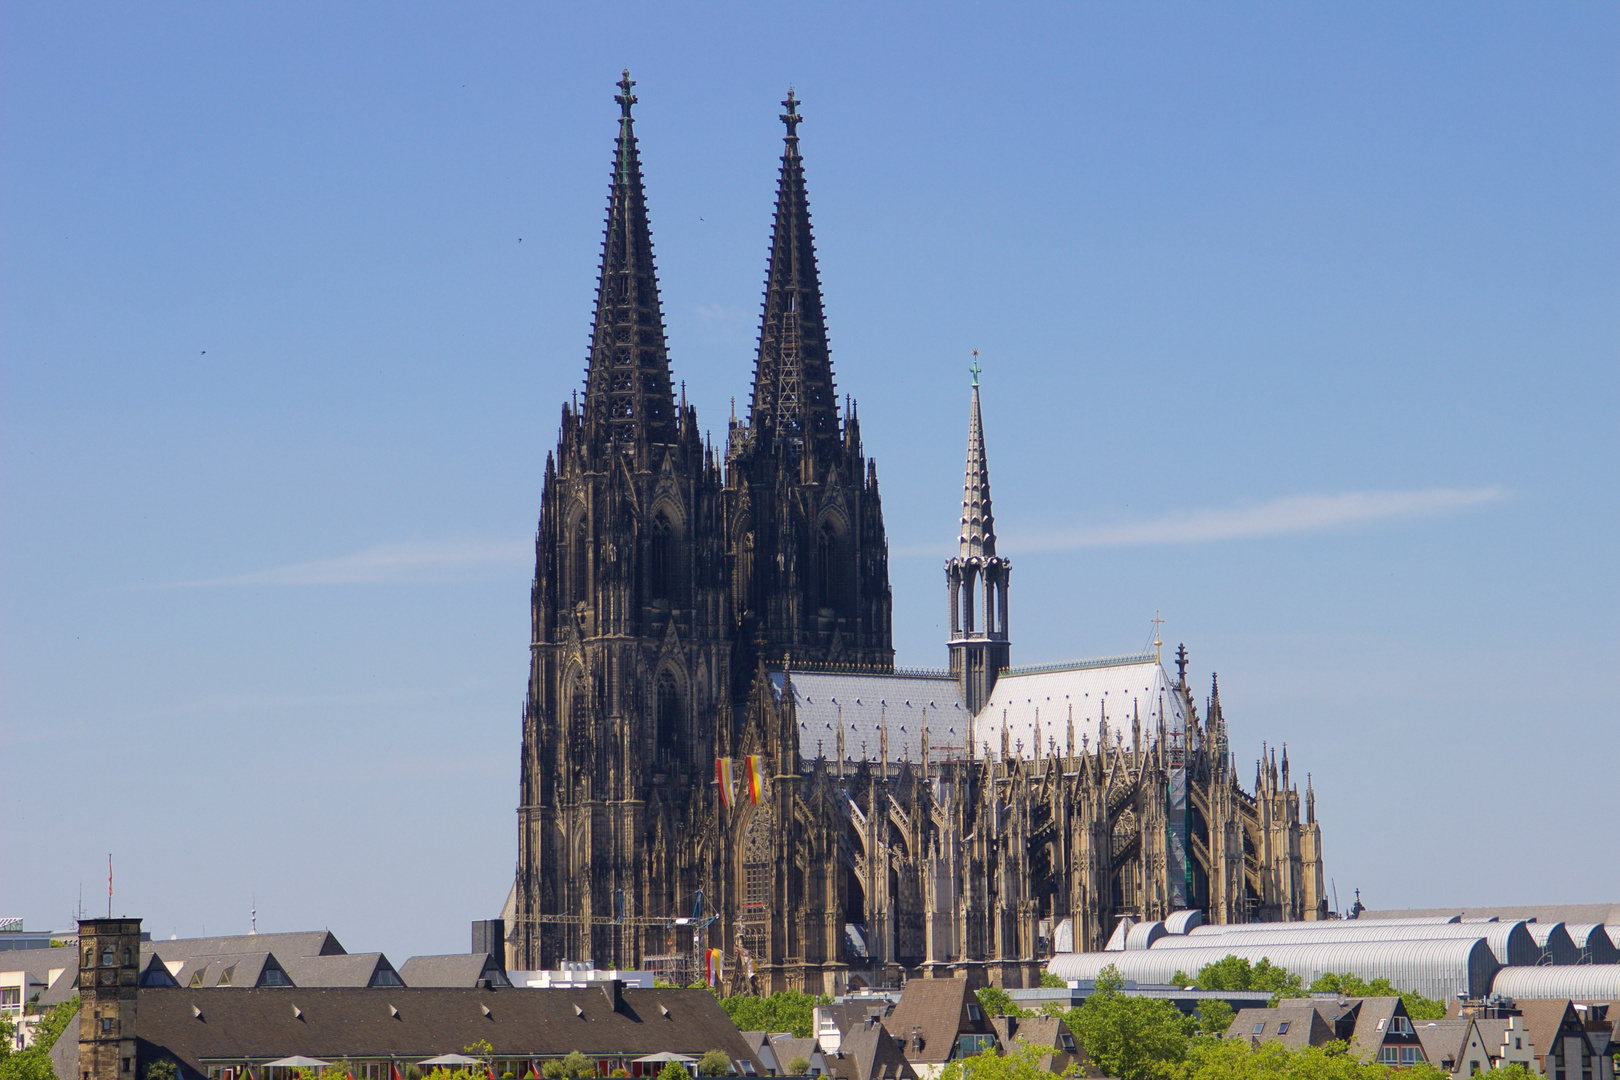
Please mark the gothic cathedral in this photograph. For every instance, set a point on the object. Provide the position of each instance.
(723, 771)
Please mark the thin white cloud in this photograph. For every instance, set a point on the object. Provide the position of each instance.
(1280, 517)
(410, 563)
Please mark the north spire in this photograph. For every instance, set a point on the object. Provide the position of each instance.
(628, 395)
(794, 400)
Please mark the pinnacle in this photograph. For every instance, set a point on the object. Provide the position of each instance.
(978, 538)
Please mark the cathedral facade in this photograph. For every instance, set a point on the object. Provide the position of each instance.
(722, 769)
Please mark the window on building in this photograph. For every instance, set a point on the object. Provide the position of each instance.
(1389, 1055)
(11, 997)
(273, 977)
(667, 702)
(829, 585)
(1410, 1055)
(109, 957)
(1260, 1028)
(659, 554)
(1282, 1028)
(108, 1025)
(580, 563)
(973, 1011)
(756, 887)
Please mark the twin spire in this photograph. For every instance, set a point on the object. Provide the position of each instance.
(628, 388)
(628, 394)
(794, 401)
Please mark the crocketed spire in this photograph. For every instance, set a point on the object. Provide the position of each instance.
(627, 384)
(794, 398)
(978, 539)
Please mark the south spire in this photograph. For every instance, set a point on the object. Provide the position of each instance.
(794, 401)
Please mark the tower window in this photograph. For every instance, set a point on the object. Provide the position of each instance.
(109, 958)
(658, 560)
(828, 578)
(581, 564)
(667, 703)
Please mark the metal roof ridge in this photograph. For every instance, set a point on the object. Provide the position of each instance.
(1079, 665)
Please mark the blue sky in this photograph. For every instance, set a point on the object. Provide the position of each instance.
(1298, 322)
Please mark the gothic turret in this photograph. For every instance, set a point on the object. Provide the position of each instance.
(805, 538)
(979, 647)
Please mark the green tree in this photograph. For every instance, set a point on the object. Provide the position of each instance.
(799, 1066)
(673, 1071)
(1235, 1059)
(787, 1010)
(1022, 1062)
(576, 1065)
(997, 1002)
(1050, 981)
(552, 1070)
(34, 1063)
(1236, 973)
(1213, 1018)
(1418, 1007)
(162, 1069)
(714, 1063)
(1134, 1038)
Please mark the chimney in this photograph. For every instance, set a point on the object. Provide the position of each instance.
(614, 991)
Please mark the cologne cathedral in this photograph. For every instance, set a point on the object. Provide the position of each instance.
(723, 772)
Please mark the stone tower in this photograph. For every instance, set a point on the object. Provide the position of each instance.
(630, 656)
(805, 539)
(979, 648)
(109, 966)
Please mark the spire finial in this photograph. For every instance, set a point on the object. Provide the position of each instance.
(792, 118)
(975, 369)
(624, 97)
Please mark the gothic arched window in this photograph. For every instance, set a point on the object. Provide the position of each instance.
(828, 580)
(667, 703)
(579, 560)
(659, 555)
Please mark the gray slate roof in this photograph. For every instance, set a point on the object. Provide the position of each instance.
(454, 969)
(865, 704)
(301, 943)
(409, 1024)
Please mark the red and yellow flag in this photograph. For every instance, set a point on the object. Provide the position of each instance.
(722, 774)
(712, 966)
(756, 778)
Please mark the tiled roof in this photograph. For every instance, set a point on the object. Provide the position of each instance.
(409, 1024)
(936, 1010)
(871, 1053)
(865, 704)
(348, 969)
(455, 969)
(302, 943)
(1036, 707)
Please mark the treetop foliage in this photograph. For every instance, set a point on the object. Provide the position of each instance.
(786, 1010)
(1236, 973)
(997, 1002)
(1418, 1007)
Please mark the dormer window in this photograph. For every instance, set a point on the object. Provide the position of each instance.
(974, 1013)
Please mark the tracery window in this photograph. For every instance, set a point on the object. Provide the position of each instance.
(659, 554)
(579, 564)
(667, 703)
(828, 579)
(756, 887)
